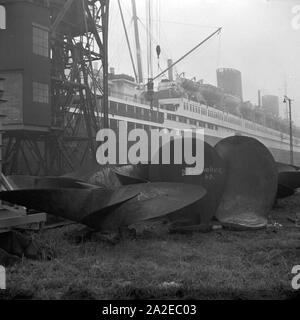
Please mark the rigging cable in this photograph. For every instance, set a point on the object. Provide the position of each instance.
(158, 48)
(188, 53)
(219, 50)
(128, 42)
(154, 40)
(149, 38)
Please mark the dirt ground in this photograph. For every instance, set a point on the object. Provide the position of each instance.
(220, 264)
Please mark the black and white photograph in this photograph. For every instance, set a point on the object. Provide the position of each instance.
(149, 152)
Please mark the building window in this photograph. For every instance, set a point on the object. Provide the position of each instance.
(40, 41)
(113, 107)
(40, 92)
(2, 18)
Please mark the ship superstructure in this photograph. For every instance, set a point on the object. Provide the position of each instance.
(185, 103)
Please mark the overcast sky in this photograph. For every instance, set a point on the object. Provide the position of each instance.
(258, 38)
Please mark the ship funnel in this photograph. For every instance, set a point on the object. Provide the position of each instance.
(259, 98)
(170, 71)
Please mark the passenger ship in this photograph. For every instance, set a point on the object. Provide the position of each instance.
(126, 103)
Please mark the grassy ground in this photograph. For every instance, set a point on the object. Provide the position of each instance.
(219, 264)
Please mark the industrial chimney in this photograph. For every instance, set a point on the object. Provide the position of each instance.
(259, 98)
(170, 71)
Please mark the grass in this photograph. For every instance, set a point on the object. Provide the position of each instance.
(217, 265)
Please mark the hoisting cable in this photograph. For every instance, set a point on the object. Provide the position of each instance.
(188, 53)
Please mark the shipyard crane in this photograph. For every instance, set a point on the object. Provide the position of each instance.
(79, 37)
(71, 39)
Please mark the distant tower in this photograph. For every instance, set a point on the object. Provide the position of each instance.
(1, 119)
(2, 90)
(270, 103)
(170, 71)
(230, 80)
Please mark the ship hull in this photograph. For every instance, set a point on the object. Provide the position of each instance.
(183, 114)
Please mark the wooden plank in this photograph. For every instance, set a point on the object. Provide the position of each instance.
(58, 224)
(36, 226)
(14, 221)
(9, 211)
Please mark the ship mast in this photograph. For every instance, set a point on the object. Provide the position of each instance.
(137, 42)
(128, 42)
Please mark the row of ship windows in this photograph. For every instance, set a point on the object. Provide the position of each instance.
(169, 106)
(194, 108)
(123, 109)
(193, 122)
(126, 110)
(210, 113)
(136, 112)
(230, 119)
(114, 124)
